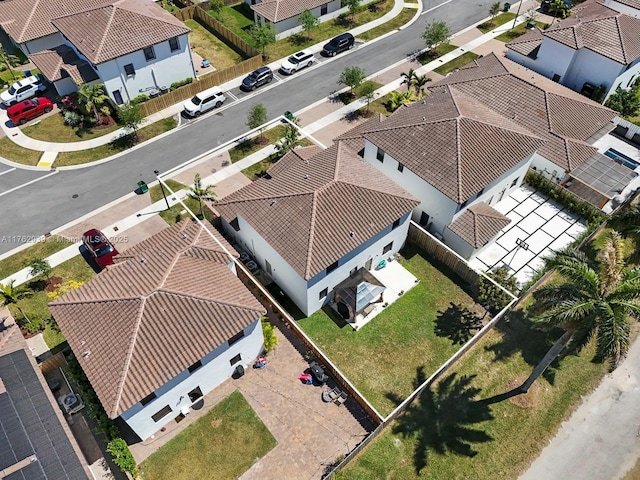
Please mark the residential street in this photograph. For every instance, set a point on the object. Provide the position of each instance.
(58, 198)
(601, 440)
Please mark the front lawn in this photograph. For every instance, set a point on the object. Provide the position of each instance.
(23, 258)
(511, 35)
(53, 129)
(456, 63)
(16, 153)
(401, 19)
(177, 211)
(223, 444)
(499, 20)
(382, 358)
(435, 53)
(211, 48)
(493, 440)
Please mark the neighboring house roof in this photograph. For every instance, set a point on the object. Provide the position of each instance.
(278, 10)
(62, 61)
(111, 31)
(630, 3)
(527, 44)
(452, 141)
(164, 305)
(478, 224)
(314, 211)
(564, 119)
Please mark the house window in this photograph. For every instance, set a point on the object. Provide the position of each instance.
(195, 394)
(490, 200)
(161, 414)
(513, 184)
(117, 96)
(324, 9)
(235, 360)
(323, 293)
(195, 366)
(129, 70)
(387, 248)
(380, 155)
(630, 81)
(332, 267)
(267, 266)
(236, 337)
(149, 53)
(148, 398)
(400, 167)
(395, 224)
(556, 77)
(173, 44)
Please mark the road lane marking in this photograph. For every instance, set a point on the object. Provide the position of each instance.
(27, 184)
(7, 171)
(437, 6)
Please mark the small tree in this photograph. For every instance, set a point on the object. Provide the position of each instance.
(122, 456)
(626, 102)
(269, 334)
(408, 78)
(201, 192)
(435, 34)
(493, 296)
(308, 22)
(8, 60)
(93, 97)
(368, 92)
(494, 9)
(353, 6)
(396, 99)
(262, 35)
(352, 77)
(290, 140)
(418, 84)
(216, 6)
(40, 266)
(11, 295)
(257, 117)
(559, 8)
(131, 117)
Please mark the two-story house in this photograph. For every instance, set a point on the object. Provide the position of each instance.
(163, 327)
(318, 217)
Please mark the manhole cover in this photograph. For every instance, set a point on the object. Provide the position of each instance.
(75, 195)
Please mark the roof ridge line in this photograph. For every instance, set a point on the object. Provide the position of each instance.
(273, 197)
(102, 300)
(203, 299)
(377, 190)
(622, 45)
(28, 22)
(108, 28)
(474, 228)
(453, 99)
(312, 222)
(458, 159)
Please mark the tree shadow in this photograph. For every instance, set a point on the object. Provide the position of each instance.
(457, 323)
(441, 420)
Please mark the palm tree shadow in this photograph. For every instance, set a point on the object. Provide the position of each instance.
(457, 323)
(442, 419)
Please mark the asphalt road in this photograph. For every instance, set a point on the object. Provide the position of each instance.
(53, 200)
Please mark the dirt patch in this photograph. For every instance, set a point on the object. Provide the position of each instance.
(525, 400)
(52, 284)
(216, 422)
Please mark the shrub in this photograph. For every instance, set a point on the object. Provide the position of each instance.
(34, 326)
(122, 456)
(140, 99)
(181, 83)
(269, 333)
(72, 118)
(492, 296)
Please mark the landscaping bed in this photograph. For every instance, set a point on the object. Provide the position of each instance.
(434, 54)
(511, 35)
(456, 63)
(53, 129)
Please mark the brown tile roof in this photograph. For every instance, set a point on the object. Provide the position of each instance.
(108, 32)
(478, 224)
(453, 142)
(528, 44)
(165, 304)
(62, 61)
(563, 118)
(278, 10)
(308, 209)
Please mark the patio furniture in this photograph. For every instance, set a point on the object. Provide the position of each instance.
(330, 395)
(206, 63)
(306, 378)
(318, 372)
(342, 397)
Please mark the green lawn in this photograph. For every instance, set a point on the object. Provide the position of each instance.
(511, 35)
(495, 440)
(223, 444)
(18, 154)
(381, 359)
(499, 20)
(238, 22)
(403, 18)
(97, 153)
(53, 129)
(211, 48)
(456, 63)
(22, 259)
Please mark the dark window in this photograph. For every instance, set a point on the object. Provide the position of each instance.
(556, 77)
(490, 200)
(161, 414)
(323, 293)
(395, 225)
(323, 9)
(117, 96)
(387, 248)
(380, 155)
(235, 359)
(195, 394)
(513, 184)
(332, 267)
(480, 192)
(173, 44)
(149, 53)
(424, 219)
(400, 167)
(353, 271)
(236, 337)
(195, 366)
(129, 70)
(148, 398)
(464, 204)
(630, 81)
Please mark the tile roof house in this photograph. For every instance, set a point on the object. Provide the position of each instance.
(596, 46)
(132, 46)
(36, 442)
(472, 140)
(170, 321)
(316, 218)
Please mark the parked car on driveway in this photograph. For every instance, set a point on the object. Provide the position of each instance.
(99, 246)
(297, 61)
(23, 89)
(22, 112)
(204, 101)
(338, 44)
(257, 78)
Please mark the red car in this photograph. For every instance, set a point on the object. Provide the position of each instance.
(99, 246)
(22, 112)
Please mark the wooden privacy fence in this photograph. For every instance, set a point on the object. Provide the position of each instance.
(216, 78)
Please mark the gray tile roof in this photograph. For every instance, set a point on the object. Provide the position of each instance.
(166, 303)
(478, 224)
(308, 209)
(62, 61)
(278, 10)
(528, 44)
(630, 3)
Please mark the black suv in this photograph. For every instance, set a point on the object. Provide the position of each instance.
(256, 78)
(339, 44)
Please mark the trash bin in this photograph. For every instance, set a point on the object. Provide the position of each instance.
(507, 6)
(531, 24)
(238, 372)
(164, 89)
(144, 188)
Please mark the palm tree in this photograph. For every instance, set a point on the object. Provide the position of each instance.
(419, 83)
(408, 78)
(11, 295)
(93, 96)
(201, 192)
(290, 140)
(597, 298)
(627, 221)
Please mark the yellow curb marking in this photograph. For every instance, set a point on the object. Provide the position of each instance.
(411, 5)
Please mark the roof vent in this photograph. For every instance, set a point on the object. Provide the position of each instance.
(184, 236)
(424, 119)
(306, 177)
(273, 202)
(424, 102)
(86, 353)
(352, 234)
(142, 260)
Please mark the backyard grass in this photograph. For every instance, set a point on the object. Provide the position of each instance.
(493, 440)
(103, 151)
(53, 129)
(235, 20)
(435, 53)
(211, 48)
(18, 154)
(382, 357)
(22, 259)
(223, 444)
(511, 35)
(499, 20)
(396, 22)
(456, 63)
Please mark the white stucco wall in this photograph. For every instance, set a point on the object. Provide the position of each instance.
(626, 78)
(65, 86)
(553, 58)
(547, 168)
(523, 60)
(42, 43)
(593, 68)
(215, 369)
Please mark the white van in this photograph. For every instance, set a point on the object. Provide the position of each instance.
(204, 101)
